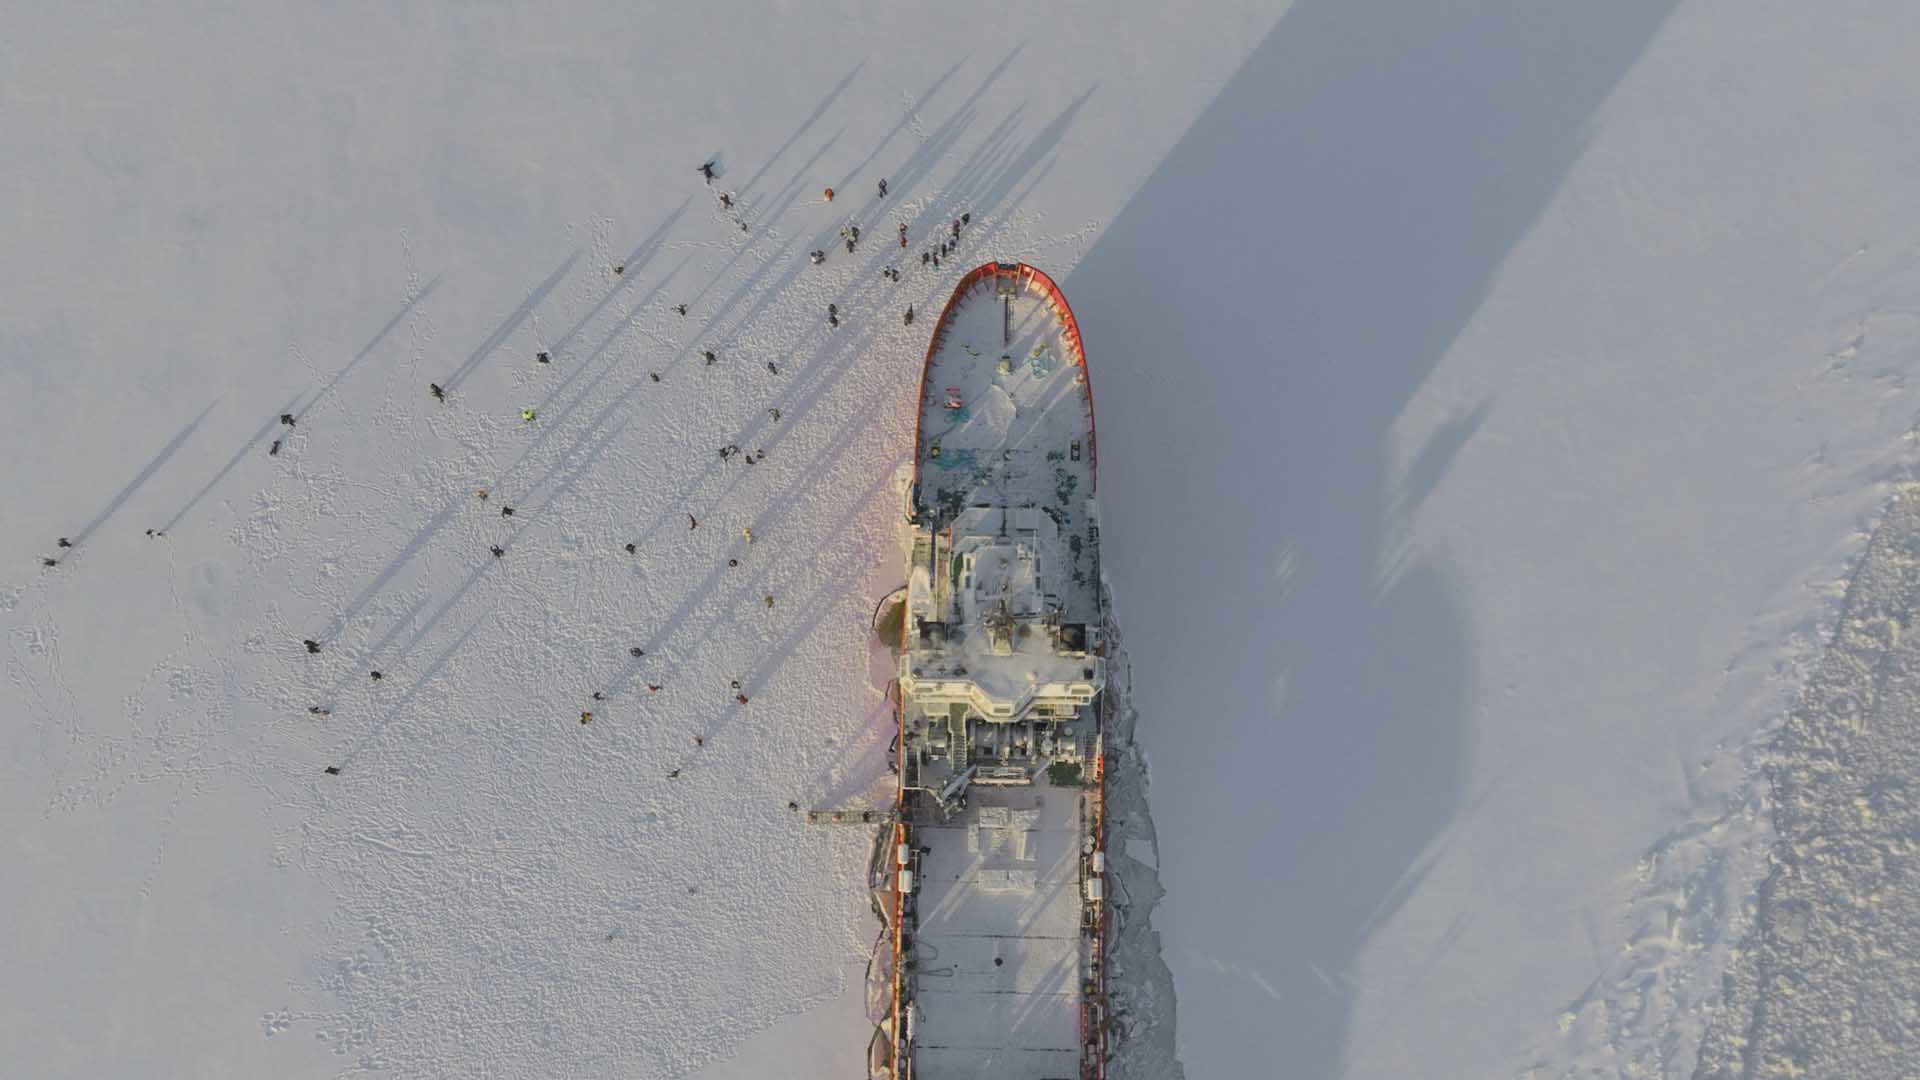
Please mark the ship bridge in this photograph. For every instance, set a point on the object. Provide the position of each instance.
(1003, 591)
(995, 637)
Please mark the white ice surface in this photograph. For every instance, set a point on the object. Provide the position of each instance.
(209, 218)
(1489, 396)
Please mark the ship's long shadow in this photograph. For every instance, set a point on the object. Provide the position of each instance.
(1257, 316)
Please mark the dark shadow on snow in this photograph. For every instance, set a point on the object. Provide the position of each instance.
(260, 435)
(1434, 458)
(405, 309)
(505, 330)
(145, 474)
(266, 427)
(1256, 318)
(819, 110)
(630, 268)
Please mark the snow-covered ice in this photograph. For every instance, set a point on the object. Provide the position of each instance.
(211, 221)
(1825, 983)
(1493, 399)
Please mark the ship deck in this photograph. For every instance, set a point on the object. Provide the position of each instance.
(999, 938)
(1022, 431)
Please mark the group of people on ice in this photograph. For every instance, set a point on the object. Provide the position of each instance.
(850, 235)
